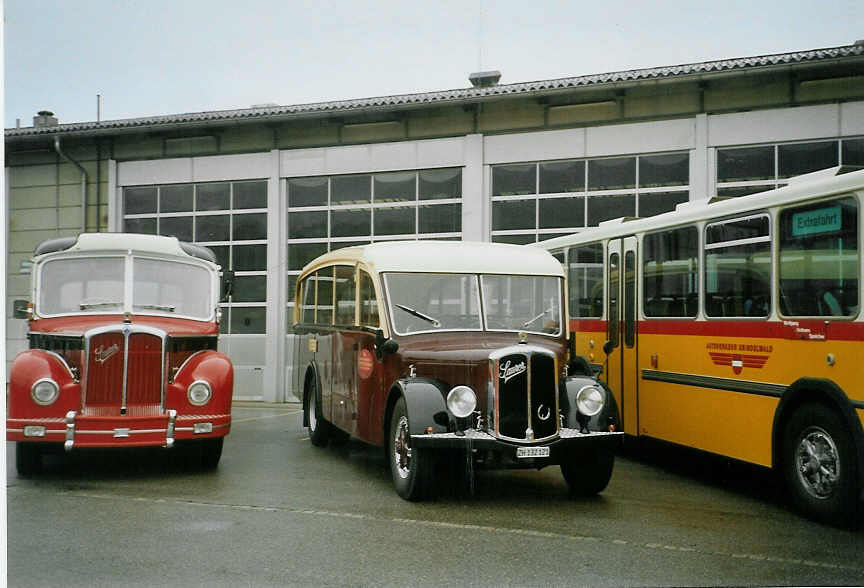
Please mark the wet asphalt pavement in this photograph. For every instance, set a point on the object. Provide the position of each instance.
(279, 511)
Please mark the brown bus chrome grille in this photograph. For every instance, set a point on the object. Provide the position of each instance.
(526, 392)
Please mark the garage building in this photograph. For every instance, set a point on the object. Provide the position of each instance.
(269, 187)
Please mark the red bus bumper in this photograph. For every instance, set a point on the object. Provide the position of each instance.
(77, 430)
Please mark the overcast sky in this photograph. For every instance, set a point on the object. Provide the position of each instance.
(155, 57)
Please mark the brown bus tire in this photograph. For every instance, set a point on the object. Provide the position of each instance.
(819, 465)
(412, 475)
(319, 428)
(588, 474)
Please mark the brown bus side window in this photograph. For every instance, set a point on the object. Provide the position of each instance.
(368, 302)
(345, 290)
(307, 300)
(324, 300)
(819, 259)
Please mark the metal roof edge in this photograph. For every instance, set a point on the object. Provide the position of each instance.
(443, 96)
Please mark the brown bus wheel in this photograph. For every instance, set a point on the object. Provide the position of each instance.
(819, 465)
(319, 428)
(588, 474)
(411, 468)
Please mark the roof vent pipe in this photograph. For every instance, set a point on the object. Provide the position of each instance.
(45, 118)
(484, 79)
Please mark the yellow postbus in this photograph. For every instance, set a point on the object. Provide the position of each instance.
(735, 327)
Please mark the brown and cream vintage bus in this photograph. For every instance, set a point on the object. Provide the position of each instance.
(443, 351)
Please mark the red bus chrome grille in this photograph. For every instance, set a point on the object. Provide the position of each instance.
(105, 369)
(138, 355)
(144, 380)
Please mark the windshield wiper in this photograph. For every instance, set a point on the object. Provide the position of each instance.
(542, 314)
(435, 322)
(99, 304)
(165, 307)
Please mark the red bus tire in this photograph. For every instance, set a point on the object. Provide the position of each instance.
(28, 459)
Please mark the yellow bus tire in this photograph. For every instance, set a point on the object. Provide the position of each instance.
(819, 465)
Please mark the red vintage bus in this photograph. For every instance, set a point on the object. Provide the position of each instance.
(122, 333)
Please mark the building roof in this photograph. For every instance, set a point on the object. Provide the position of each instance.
(445, 257)
(455, 96)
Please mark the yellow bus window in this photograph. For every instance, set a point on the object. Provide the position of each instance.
(670, 273)
(738, 268)
(819, 259)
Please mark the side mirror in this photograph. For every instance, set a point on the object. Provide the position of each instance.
(608, 347)
(384, 346)
(227, 284)
(21, 309)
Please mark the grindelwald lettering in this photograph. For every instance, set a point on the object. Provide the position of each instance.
(508, 371)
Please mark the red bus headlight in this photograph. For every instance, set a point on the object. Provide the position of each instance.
(199, 393)
(45, 391)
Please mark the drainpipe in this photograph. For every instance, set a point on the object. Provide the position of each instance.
(83, 182)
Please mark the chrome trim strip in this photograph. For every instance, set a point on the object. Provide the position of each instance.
(125, 389)
(121, 432)
(730, 384)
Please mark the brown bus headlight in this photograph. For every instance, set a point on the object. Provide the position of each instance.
(199, 393)
(461, 401)
(590, 400)
(45, 391)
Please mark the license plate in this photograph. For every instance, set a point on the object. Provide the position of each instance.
(532, 452)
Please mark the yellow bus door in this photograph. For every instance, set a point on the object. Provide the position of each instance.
(629, 341)
(612, 347)
(620, 369)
